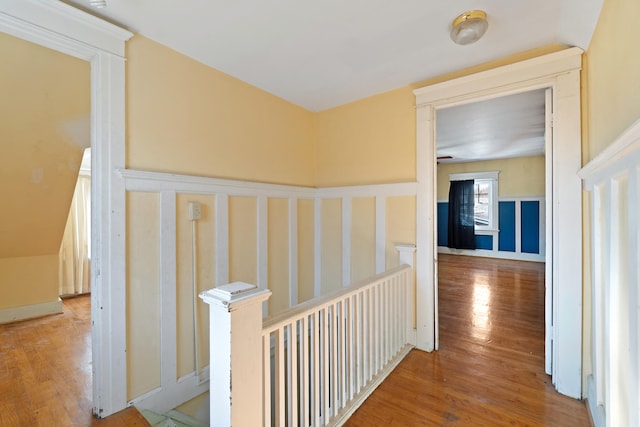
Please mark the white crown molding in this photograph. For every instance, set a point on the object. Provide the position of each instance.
(56, 17)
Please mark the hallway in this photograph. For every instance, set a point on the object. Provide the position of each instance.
(489, 370)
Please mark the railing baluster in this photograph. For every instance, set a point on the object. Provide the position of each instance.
(317, 361)
(293, 378)
(279, 374)
(304, 372)
(266, 377)
(316, 368)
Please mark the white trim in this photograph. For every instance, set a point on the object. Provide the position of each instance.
(560, 71)
(293, 252)
(24, 312)
(516, 256)
(262, 252)
(596, 410)
(162, 399)
(61, 27)
(222, 239)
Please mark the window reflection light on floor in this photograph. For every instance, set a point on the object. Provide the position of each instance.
(481, 327)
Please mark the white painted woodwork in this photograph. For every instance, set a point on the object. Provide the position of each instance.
(559, 71)
(235, 315)
(63, 28)
(325, 337)
(613, 181)
(293, 251)
(548, 233)
(23, 312)
(175, 391)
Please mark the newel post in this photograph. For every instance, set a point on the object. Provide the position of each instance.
(407, 257)
(235, 328)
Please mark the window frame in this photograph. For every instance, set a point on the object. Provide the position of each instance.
(492, 178)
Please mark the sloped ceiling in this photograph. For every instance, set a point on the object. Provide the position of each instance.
(326, 53)
(44, 110)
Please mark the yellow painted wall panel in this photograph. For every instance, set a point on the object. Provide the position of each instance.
(522, 176)
(243, 240)
(185, 117)
(367, 141)
(28, 280)
(401, 226)
(278, 236)
(143, 293)
(305, 249)
(331, 245)
(612, 86)
(363, 238)
(205, 278)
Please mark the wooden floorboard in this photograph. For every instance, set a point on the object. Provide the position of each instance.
(45, 372)
(489, 370)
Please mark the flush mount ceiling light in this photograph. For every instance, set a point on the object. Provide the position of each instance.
(469, 27)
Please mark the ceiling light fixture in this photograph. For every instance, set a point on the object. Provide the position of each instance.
(469, 27)
(98, 3)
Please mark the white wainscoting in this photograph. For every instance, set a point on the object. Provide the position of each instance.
(613, 181)
(173, 392)
(516, 254)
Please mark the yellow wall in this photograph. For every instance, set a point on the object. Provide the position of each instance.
(278, 254)
(185, 117)
(306, 255)
(204, 274)
(143, 293)
(368, 141)
(44, 113)
(523, 176)
(28, 280)
(331, 242)
(612, 86)
(363, 238)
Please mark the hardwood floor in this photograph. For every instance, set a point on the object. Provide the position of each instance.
(489, 370)
(45, 372)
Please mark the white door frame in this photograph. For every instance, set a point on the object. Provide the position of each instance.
(66, 29)
(559, 71)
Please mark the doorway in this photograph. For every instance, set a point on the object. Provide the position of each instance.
(559, 71)
(65, 29)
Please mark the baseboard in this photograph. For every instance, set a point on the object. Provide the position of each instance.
(24, 312)
(596, 411)
(516, 256)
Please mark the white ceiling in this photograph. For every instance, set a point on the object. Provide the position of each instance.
(322, 54)
(509, 126)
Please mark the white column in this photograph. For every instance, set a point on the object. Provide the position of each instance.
(235, 316)
(407, 252)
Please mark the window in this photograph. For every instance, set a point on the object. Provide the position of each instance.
(485, 198)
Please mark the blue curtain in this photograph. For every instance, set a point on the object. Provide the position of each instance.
(461, 215)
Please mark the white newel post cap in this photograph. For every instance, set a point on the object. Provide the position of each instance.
(235, 295)
(406, 253)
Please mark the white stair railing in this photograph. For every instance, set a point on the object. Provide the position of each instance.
(322, 358)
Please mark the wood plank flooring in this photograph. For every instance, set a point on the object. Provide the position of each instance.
(45, 372)
(489, 370)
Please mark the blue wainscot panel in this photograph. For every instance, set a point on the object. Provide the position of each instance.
(443, 224)
(507, 225)
(484, 242)
(530, 214)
